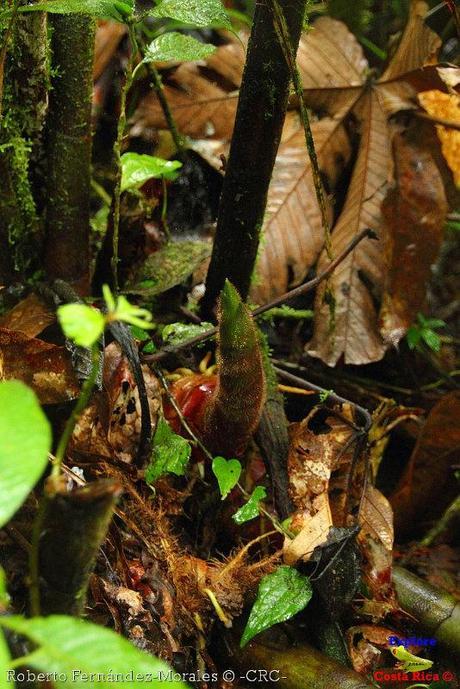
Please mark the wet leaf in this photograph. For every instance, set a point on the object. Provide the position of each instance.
(227, 472)
(427, 485)
(250, 510)
(201, 13)
(175, 333)
(414, 213)
(102, 9)
(44, 367)
(170, 455)
(168, 267)
(281, 595)
(77, 649)
(173, 46)
(138, 168)
(25, 440)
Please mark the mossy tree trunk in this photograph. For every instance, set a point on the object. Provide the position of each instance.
(259, 121)
(24, 102)
(68, 150)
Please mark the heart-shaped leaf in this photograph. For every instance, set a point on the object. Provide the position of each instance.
(137, 168)
(227, 472)
(25, 440)
(281, 595)
(177, 47)
(82, 324)
(171, 453)
(251, 509)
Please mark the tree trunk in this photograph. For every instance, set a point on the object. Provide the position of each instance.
(69, 150)
(259, 122)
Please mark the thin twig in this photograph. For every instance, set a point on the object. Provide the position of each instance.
(296, 292)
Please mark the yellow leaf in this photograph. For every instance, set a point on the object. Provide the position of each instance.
(445, 106)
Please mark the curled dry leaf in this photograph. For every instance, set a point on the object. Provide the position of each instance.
(111, 425)
(445, 106)
(365, 644)
(43, 366)
(428, 485)
(376, 544)
(108, 36)
(414, 212)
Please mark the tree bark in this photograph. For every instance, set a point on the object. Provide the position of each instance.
(68, 149)
(259, 121)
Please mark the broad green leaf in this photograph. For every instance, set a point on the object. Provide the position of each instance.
(89, 655)
(197, 12)
(82, 324)
(413, 336)
(178, 47)
(432, 339)
(281, 595)
(102, 9)
(25, 440)
(171, 453)
(168, 267)
(227, 472)
(251, 509)
(138, 168)
(176, 333)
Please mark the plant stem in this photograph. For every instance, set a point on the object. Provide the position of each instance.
(442, 524)
(85, 394)
(117, 153)
(158, 86)
(259, 122)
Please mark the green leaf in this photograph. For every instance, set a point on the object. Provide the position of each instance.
(413, 336)
(4, 595)
(197, 12)
(178, 47)
(432, 339)
(5, 658)
(227, 473)
(102, 9)
(25, 440)
(281, 595)
(138, 168)
(82, 324)
(79, 649)
(168, 267)
(251, 509)
(171, 453)
(129, 313)
(176, 333)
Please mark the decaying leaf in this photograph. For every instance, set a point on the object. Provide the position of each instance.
(428, 484)
(445, 106)
(414, 212)
(31, 315)
(45, 367)
(111, 425)
(108, 36)
(365, 644)
(358, 282)
(376, 543)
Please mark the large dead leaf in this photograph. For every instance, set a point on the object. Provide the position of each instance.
(293, 232)
(428, 484)
(108, 36)
(414, 213)
(202, 96)
(353, 334)
(45, 367)
(445, 106)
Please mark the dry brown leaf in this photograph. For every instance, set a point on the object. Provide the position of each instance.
(445, 106)
(44, 367)
(365, 643)
(428, 484)
(353, 332)
(293, 232)
(108, 36)
(30, 316)
(414, 212)
(376, 543)
(355, 335)
(201, 96)
(314, 533)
